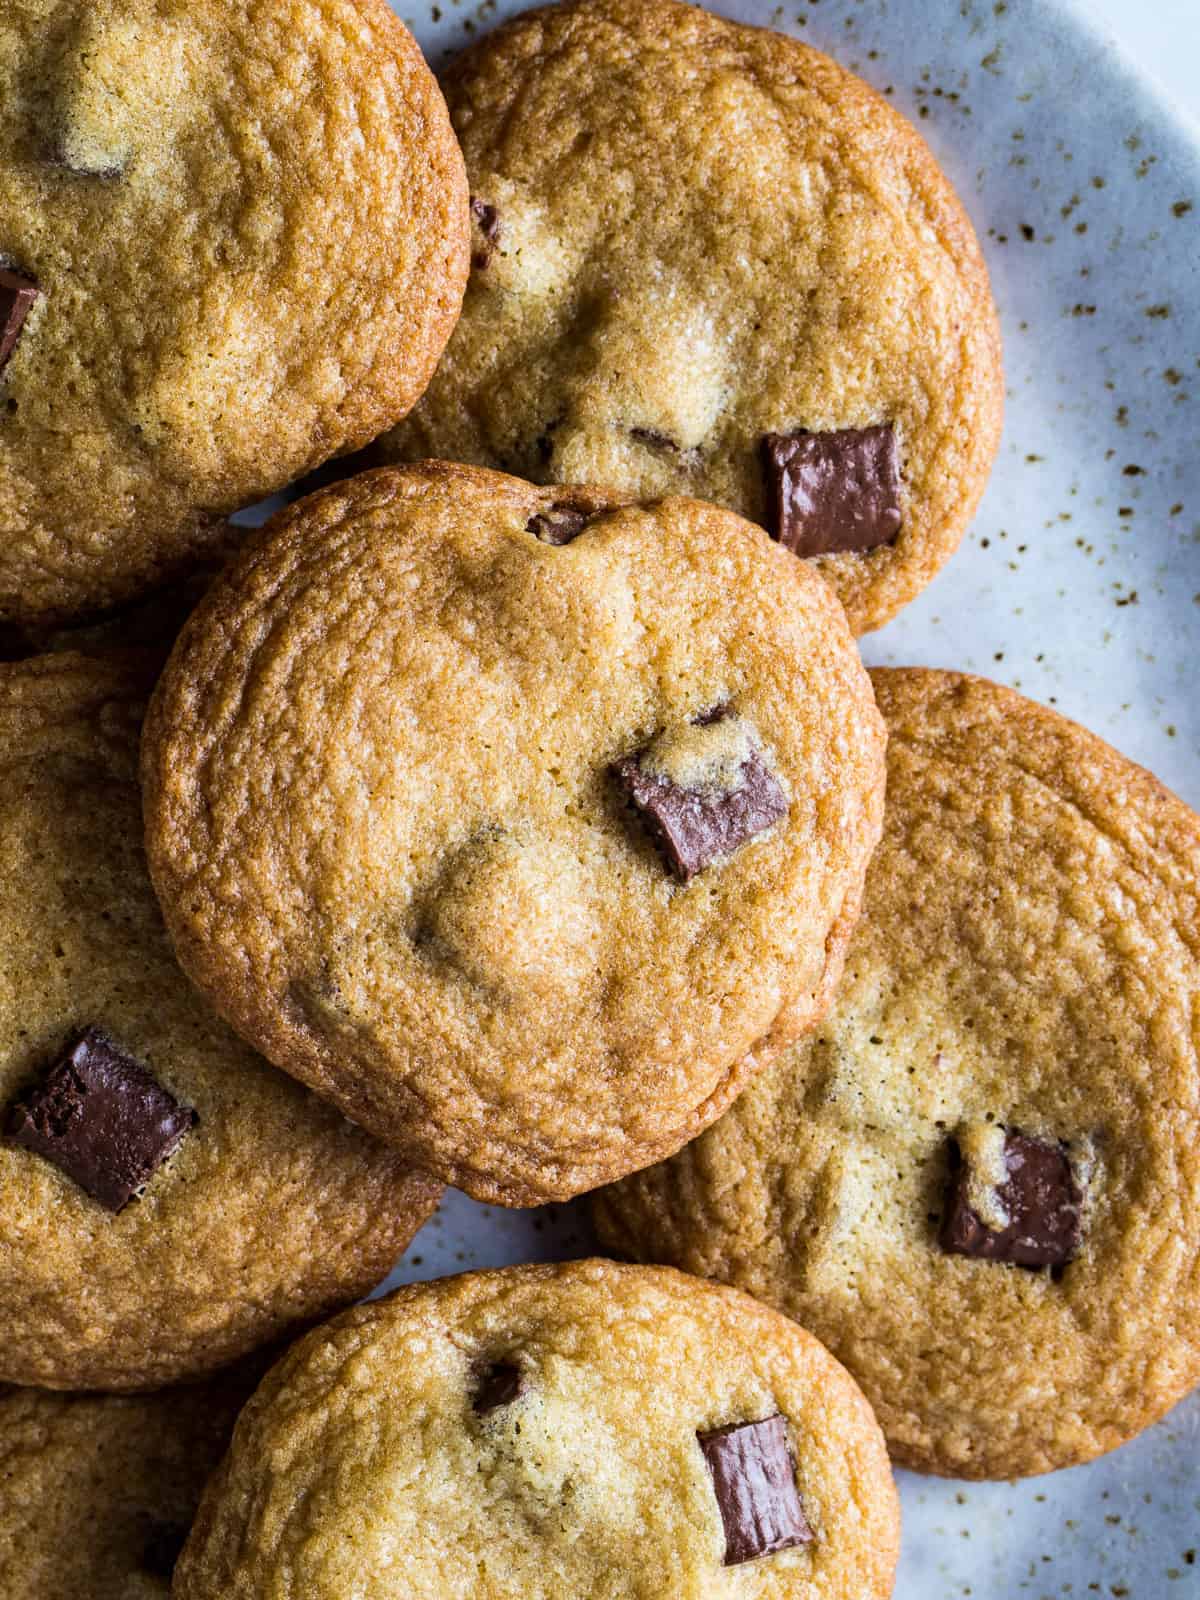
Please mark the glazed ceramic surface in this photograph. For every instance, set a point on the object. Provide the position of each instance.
(1079, 584)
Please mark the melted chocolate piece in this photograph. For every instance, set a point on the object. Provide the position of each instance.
(101, 1119)
(488, 219)
(1040, 1196)
(717, 713)
(17, 295)
(163, 1547)
(830, 492)
(693, 828)
(499, 1385)
(559, 525)
(654, 439)
(754, 1480)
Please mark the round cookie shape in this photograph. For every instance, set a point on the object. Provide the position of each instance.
(709, 261)
(168, 1201)
(542, 1432)
(100, 1490)
(524, 852)
(979, 1180)
(234, 243)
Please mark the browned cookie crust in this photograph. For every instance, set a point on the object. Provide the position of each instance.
(260, 1207)
(233, 242)
(579, 1432)
(703, 250)
(511, 820)
(979, 1180)
(98, 1492)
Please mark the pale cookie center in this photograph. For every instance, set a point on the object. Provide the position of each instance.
(119, 91)
(516, 915)
(709, 759)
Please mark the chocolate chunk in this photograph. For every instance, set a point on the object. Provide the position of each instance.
(711, 714)
(488, 219)
(164, 1544)
(695, 827)
(559, 525)
(754, 1479)
(654, 439)
(829, 492)
(499, 1385)
(1040, 1197)
(17, 295)
(102, 1119)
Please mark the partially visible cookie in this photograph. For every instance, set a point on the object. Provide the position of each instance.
(233, 242)
(520, 824)
(709, 261)
(552, 1433)
(98, 1492)
(979, 1180)
(150, 624)
(168, 1201)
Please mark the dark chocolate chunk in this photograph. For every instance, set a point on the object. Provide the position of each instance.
(102, 1119)
(162, 1549)
(559, 525)
(654, 439)
(754, 1479)
(488, 220)
(17, 295)
(717, 713)
(499, 1385)
(829, 492)
(1040, 1196)
(695, 828)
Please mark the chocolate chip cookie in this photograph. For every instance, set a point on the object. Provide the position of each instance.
(709, 261)
(167, 1200)
(979, 1180)
(233, 242)
(521, 825)
(552, 1433)
(99, 1491)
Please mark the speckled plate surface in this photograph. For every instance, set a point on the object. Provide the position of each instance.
(1079, 584)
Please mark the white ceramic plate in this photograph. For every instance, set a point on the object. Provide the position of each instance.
(1079, 584)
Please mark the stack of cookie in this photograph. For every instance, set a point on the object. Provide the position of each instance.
(512, 815)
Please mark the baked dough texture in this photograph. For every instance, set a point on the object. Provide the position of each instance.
(247, 220)
(690, 234)
(274, 1211)
(1028, 958)
(385, 831)
(99, 1491)
(364, 1465)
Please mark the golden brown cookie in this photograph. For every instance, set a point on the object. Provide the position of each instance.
(167, 1200)
(979, 1180)
(709, 261)
(512, 821)
(233, 242)
(149, 624)
(98, 1492)
(552, 1433)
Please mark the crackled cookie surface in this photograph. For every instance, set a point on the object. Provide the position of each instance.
(513, 821)
(233, 241)
(168, 1201)
(552, 1433)
(99, 1491)
(979, 1180)
(709, 261)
